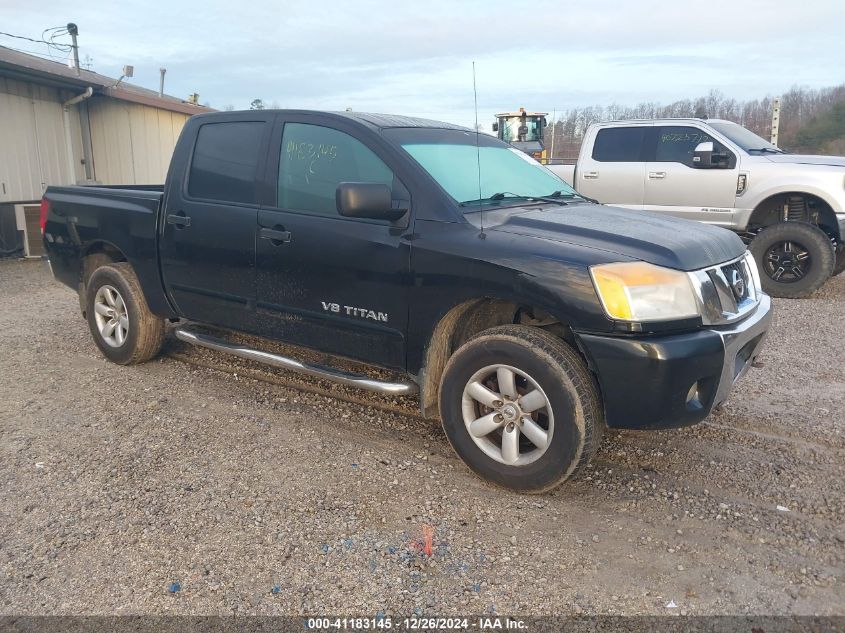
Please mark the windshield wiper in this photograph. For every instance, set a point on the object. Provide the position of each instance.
(763, 150)
(507, 195)
(569, 196)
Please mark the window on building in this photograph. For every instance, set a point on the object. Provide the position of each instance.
(225, 160)
(315, 160)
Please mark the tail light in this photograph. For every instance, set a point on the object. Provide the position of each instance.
(45, 210)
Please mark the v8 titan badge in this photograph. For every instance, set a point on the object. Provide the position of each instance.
(361, 313)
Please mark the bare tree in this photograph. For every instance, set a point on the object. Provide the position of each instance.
(798, 107)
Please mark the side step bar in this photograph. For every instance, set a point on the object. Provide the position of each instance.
(276, 360)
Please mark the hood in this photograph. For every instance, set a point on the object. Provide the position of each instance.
(656, 239)
(807, 159)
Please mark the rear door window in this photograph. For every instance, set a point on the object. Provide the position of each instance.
(619, 145)
(223, 167)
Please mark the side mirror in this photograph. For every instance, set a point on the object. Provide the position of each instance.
(366, 200)
(496, 127)
(702, 157)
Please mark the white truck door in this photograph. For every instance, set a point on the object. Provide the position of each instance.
(674, 186)
(613, 172)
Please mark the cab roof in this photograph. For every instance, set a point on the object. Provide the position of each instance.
(384, 121)
(520, 114)
(369, 119)
(667, 120)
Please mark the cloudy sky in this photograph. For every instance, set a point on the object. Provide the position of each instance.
(416, 58)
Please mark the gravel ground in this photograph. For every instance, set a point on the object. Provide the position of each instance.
(259, 498)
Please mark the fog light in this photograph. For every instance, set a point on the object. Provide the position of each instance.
(693, 396)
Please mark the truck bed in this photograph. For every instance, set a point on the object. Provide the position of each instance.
(123, 218)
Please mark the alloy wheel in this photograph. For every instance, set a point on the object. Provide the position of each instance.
(111, 316)
(787, 262)
(507, 414)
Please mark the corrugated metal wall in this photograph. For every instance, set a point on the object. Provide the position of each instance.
(33, 145)
(132, 143)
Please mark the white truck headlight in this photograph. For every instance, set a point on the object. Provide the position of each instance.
(638, 291)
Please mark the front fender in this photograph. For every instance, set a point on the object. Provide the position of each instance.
(831, 190)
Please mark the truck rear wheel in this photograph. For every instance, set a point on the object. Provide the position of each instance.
(118, 316)
(794, 258)
(520, 408)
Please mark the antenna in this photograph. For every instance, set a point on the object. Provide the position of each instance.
(478, 152)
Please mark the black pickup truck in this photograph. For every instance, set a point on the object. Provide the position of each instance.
(526, 316)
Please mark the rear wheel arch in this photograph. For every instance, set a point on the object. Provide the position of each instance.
(464, 321)
(95, 255)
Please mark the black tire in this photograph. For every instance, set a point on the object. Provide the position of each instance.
(144, 333)
(839, 264)
(571, 395)
(776, 249)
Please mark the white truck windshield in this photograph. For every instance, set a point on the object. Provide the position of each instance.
(746, 139)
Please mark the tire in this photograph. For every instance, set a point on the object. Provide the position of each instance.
(542, 364)
(839, 264)
(783, 248)
(115, 289)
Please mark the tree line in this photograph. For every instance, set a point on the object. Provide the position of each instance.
(811, 120)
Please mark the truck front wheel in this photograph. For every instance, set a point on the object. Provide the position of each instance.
(794, 258)
(520, 408)
(118, 316)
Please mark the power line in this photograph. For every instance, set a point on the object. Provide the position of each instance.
(65, 48)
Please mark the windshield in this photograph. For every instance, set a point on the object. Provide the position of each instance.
(451, 157)
(517, 128)
(746, 139)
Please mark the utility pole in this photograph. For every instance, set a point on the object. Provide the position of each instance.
(775, 120)
(74, 31)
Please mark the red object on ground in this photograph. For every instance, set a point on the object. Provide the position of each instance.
(428, 539)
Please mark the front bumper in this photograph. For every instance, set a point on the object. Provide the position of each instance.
(654, 382)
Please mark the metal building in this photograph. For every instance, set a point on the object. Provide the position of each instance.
(60, 125)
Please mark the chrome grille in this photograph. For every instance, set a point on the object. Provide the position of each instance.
(727, 292)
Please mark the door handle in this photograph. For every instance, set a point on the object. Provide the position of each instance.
(657, 175)
(591, 175)
(180, 220)
(276, 236)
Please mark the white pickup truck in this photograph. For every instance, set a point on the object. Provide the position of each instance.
(789, 208)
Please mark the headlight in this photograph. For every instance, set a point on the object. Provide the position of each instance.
(637, 291)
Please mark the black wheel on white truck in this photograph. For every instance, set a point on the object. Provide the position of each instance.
(794, 258)
(520, 407)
